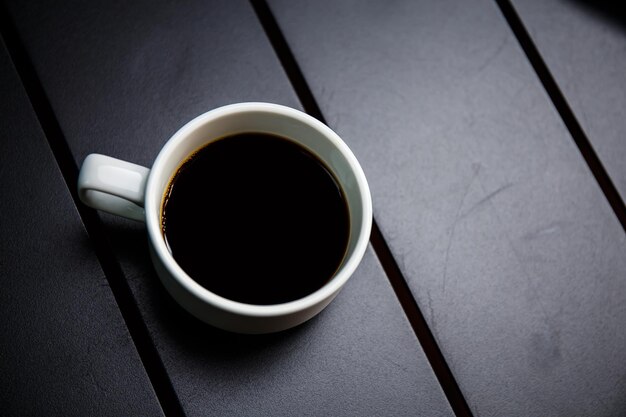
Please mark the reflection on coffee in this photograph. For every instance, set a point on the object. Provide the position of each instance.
(256, 218)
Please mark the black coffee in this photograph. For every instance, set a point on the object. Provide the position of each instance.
(257, 219)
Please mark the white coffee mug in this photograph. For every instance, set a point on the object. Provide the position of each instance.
(136, 192)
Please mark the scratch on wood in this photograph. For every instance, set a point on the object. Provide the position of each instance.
(486, 199)
(476, 168)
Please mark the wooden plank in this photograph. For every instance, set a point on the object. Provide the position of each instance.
(508, 245)
(64, 347)
(121, 80)
(583, 45)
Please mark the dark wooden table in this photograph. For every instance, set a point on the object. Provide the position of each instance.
(493, 135)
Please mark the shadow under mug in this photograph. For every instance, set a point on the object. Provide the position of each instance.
(136, 192)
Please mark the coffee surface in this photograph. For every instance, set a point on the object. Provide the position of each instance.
(257, 219)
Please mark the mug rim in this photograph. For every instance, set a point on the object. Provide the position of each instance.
(153, 215)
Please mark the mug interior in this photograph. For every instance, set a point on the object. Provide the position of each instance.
(272, 119)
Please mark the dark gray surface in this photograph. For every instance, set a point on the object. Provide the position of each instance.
(64, 348)
(584, 44)
(358, 357)
(121, 79)
(507, 243)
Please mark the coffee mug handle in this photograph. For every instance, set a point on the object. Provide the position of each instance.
(113, 185)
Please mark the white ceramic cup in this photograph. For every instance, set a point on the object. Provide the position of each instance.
(137, 192)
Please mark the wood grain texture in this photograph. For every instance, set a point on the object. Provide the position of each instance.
(508, 245)
(64, 348)
(582, 42)
(122, 78)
